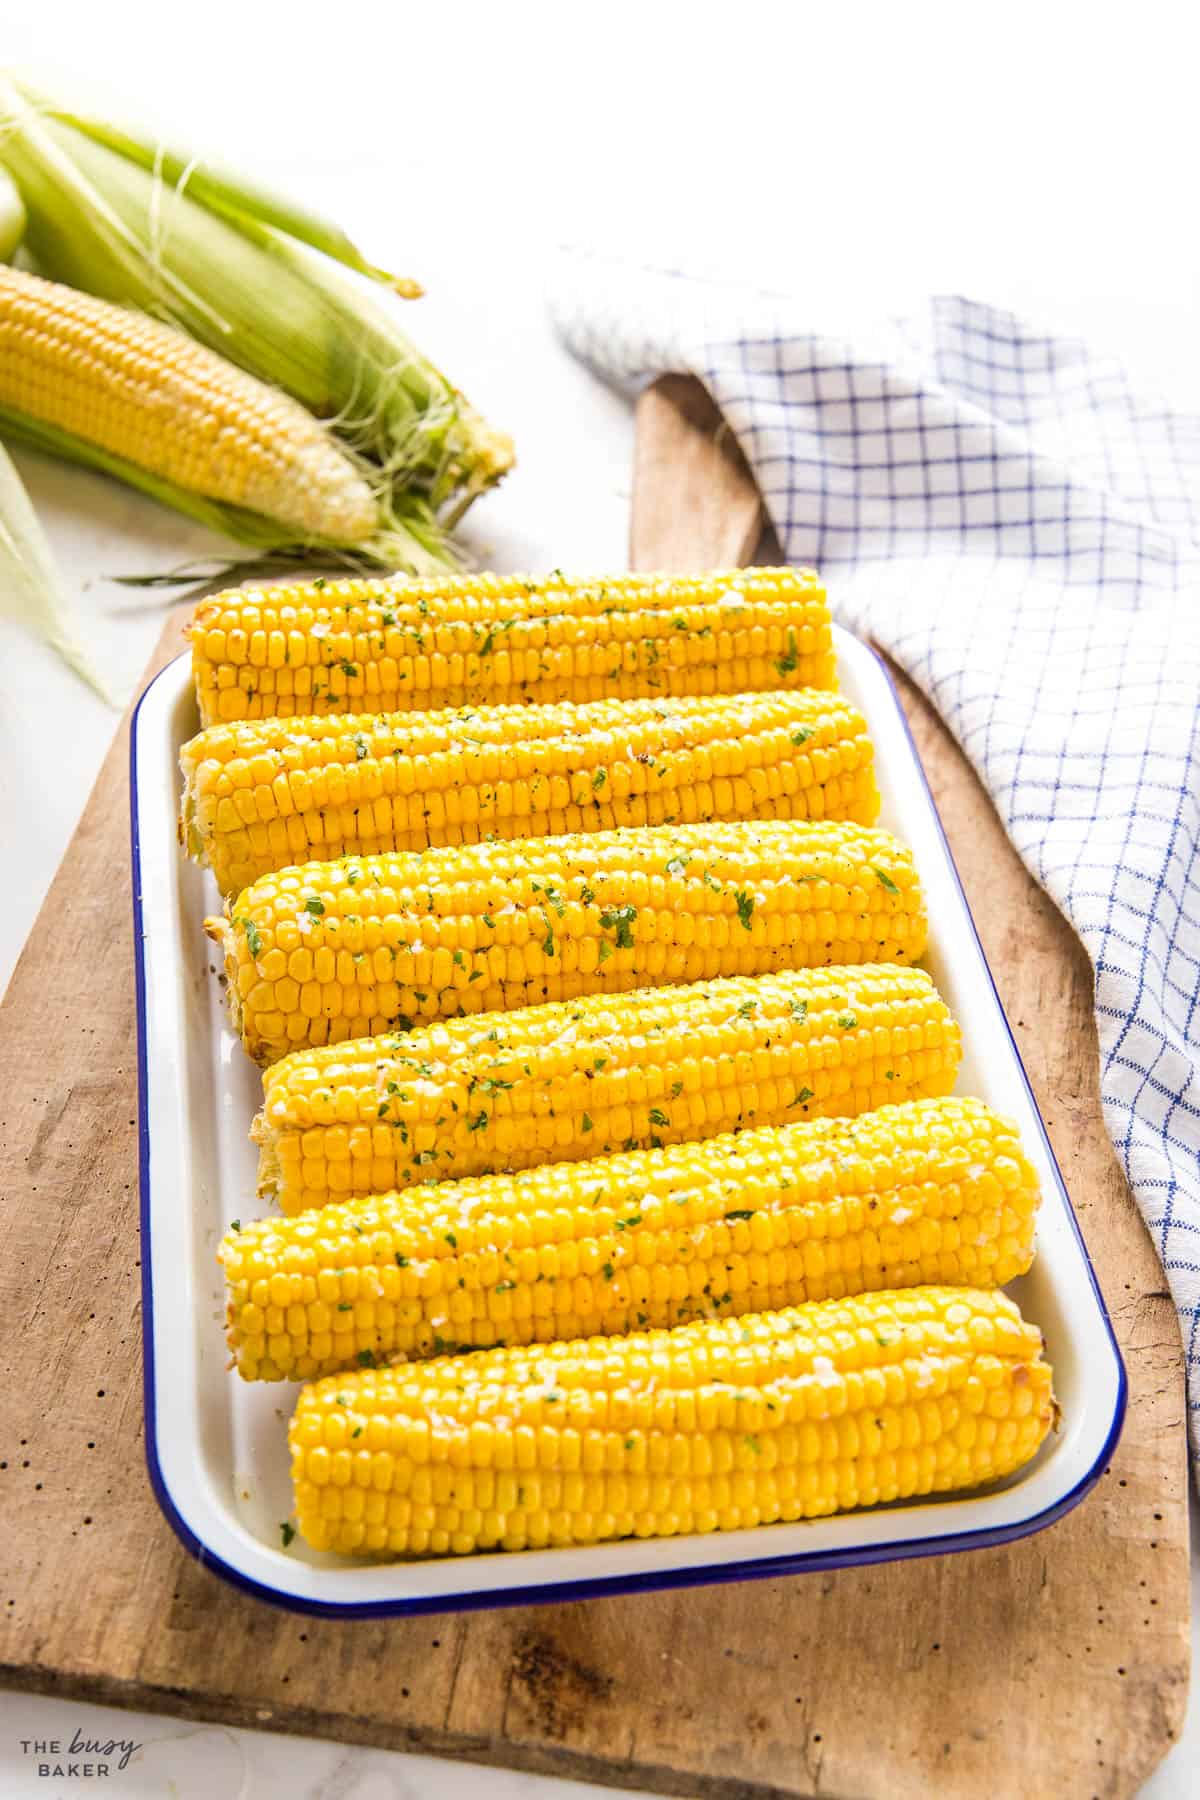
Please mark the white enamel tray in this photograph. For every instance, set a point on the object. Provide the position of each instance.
(216, 1445)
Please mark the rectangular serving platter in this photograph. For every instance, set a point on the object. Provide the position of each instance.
(216, 1446)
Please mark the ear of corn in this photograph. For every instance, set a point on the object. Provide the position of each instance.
(598, 1075)
(139, 392)
(328, 951)
(376, 646)
(932, 1191)
(260, 795)
(719, 1425)
(223, 263)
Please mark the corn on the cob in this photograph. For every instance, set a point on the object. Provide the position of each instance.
(147, 396)
(391, 646)
(261, 794)
(711, 1427)
(328, 951)
(597, 1075)
(931, 1191)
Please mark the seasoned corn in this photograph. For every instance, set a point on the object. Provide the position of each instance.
(328, 951)
(714, 1426)
(401, 645)
(261, 794)
(934, 1190)
(591, 1076)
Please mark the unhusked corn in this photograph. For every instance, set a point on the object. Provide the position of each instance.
(145, 393)
(603, 1073)
(713, 1426)
(400, 644)
(328, 951)
(261, 794)
(934, 1190)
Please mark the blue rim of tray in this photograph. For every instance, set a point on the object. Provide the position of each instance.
(589, 1587)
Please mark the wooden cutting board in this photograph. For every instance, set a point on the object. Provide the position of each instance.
(1056, 1667)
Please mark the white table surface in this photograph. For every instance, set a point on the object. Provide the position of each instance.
(1039, 157)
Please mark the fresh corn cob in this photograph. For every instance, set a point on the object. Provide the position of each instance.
(400, 645)
(935, 1190)
(714, 1426)
(145, 224)
(147, 399)
(261, 794)
(328, 951)
(597, 1075)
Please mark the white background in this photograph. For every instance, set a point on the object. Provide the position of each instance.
(1042, 156)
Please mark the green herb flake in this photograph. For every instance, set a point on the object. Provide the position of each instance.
(314, 907)
(802, 736)
(620, 919)
(741, 1212)
(287, 1532)
(885, 881)
(745, 908)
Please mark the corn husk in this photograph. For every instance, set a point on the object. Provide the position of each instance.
(30, 588)
(12, 216)
(240, 270)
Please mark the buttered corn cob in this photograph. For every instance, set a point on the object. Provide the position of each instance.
(713, 1426)
(261, 794)
(400, 645)
(934, 1190)
(328, 951)
(150, 402)
(596, 1075)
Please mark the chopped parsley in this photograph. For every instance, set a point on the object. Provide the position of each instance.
(790, 661)
(621, 920)
(885, 881)
(287, 1532)
(745, 908)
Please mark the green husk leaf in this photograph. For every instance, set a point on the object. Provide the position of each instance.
(229, 195)
(30, 588)
(409, 539)
(12, 216)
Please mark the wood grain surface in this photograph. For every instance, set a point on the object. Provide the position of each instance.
(1056, 1667)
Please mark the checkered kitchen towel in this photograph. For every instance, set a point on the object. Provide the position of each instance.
(1020, 529)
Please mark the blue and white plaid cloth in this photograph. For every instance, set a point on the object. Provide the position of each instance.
(1020, 529)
